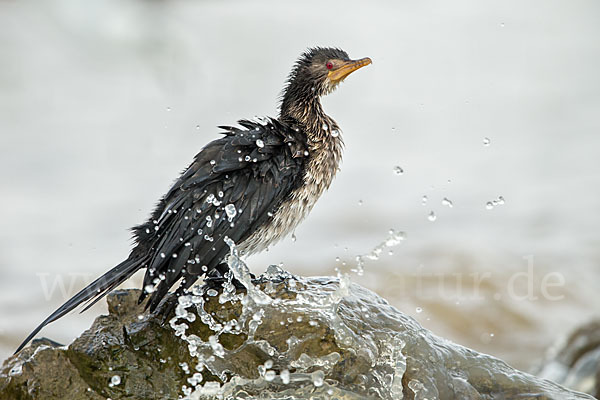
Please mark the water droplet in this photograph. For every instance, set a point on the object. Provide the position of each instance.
(419, 310)
(318, 378)
(496, 202)
(168, 108)
(197, 126)
(325, 126)
(260, 143)
(149, 288)
(335, 133)
(432, 217)
(217, 347)
(447, 202)
(270, 375)
(398, 170)
(285, 376)
(162, 255)
(486, 141)
(502, 25)
(115, 380)
(195, 379)
(294, 237)
(394, 238)
(424, 200)
(360, 202)
(212, 162)
(230, 211)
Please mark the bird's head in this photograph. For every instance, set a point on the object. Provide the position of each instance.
(317, 72)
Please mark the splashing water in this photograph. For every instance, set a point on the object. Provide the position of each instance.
(256, 304)
(496, 202)
(290, 367)
(290, 337)
(394, 238)
(447, 202)
(297, 338)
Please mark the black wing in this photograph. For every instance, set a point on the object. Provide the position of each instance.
(234, 185)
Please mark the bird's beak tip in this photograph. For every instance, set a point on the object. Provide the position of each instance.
(357, 64)
(347, 68)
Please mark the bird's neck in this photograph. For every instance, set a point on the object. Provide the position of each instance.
(324, 142)
(309, 114)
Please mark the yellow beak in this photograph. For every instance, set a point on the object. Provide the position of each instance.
(340, 73)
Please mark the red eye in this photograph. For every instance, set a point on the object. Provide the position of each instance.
(329, 65)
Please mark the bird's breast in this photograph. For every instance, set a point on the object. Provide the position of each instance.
(320, 168)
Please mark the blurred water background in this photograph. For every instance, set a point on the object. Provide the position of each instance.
(103, 103)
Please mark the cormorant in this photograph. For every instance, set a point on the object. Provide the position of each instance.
(254, 186)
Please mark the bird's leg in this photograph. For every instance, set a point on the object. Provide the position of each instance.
(170, 303)
(126, 339)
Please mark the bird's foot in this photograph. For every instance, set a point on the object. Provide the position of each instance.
(167, 311)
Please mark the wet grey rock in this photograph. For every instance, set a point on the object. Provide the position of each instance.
(575, 361)
(293, 338)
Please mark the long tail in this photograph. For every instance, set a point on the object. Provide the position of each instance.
(93, 292)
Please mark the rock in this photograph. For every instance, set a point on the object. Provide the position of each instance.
(575, 362)
(286, 338)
